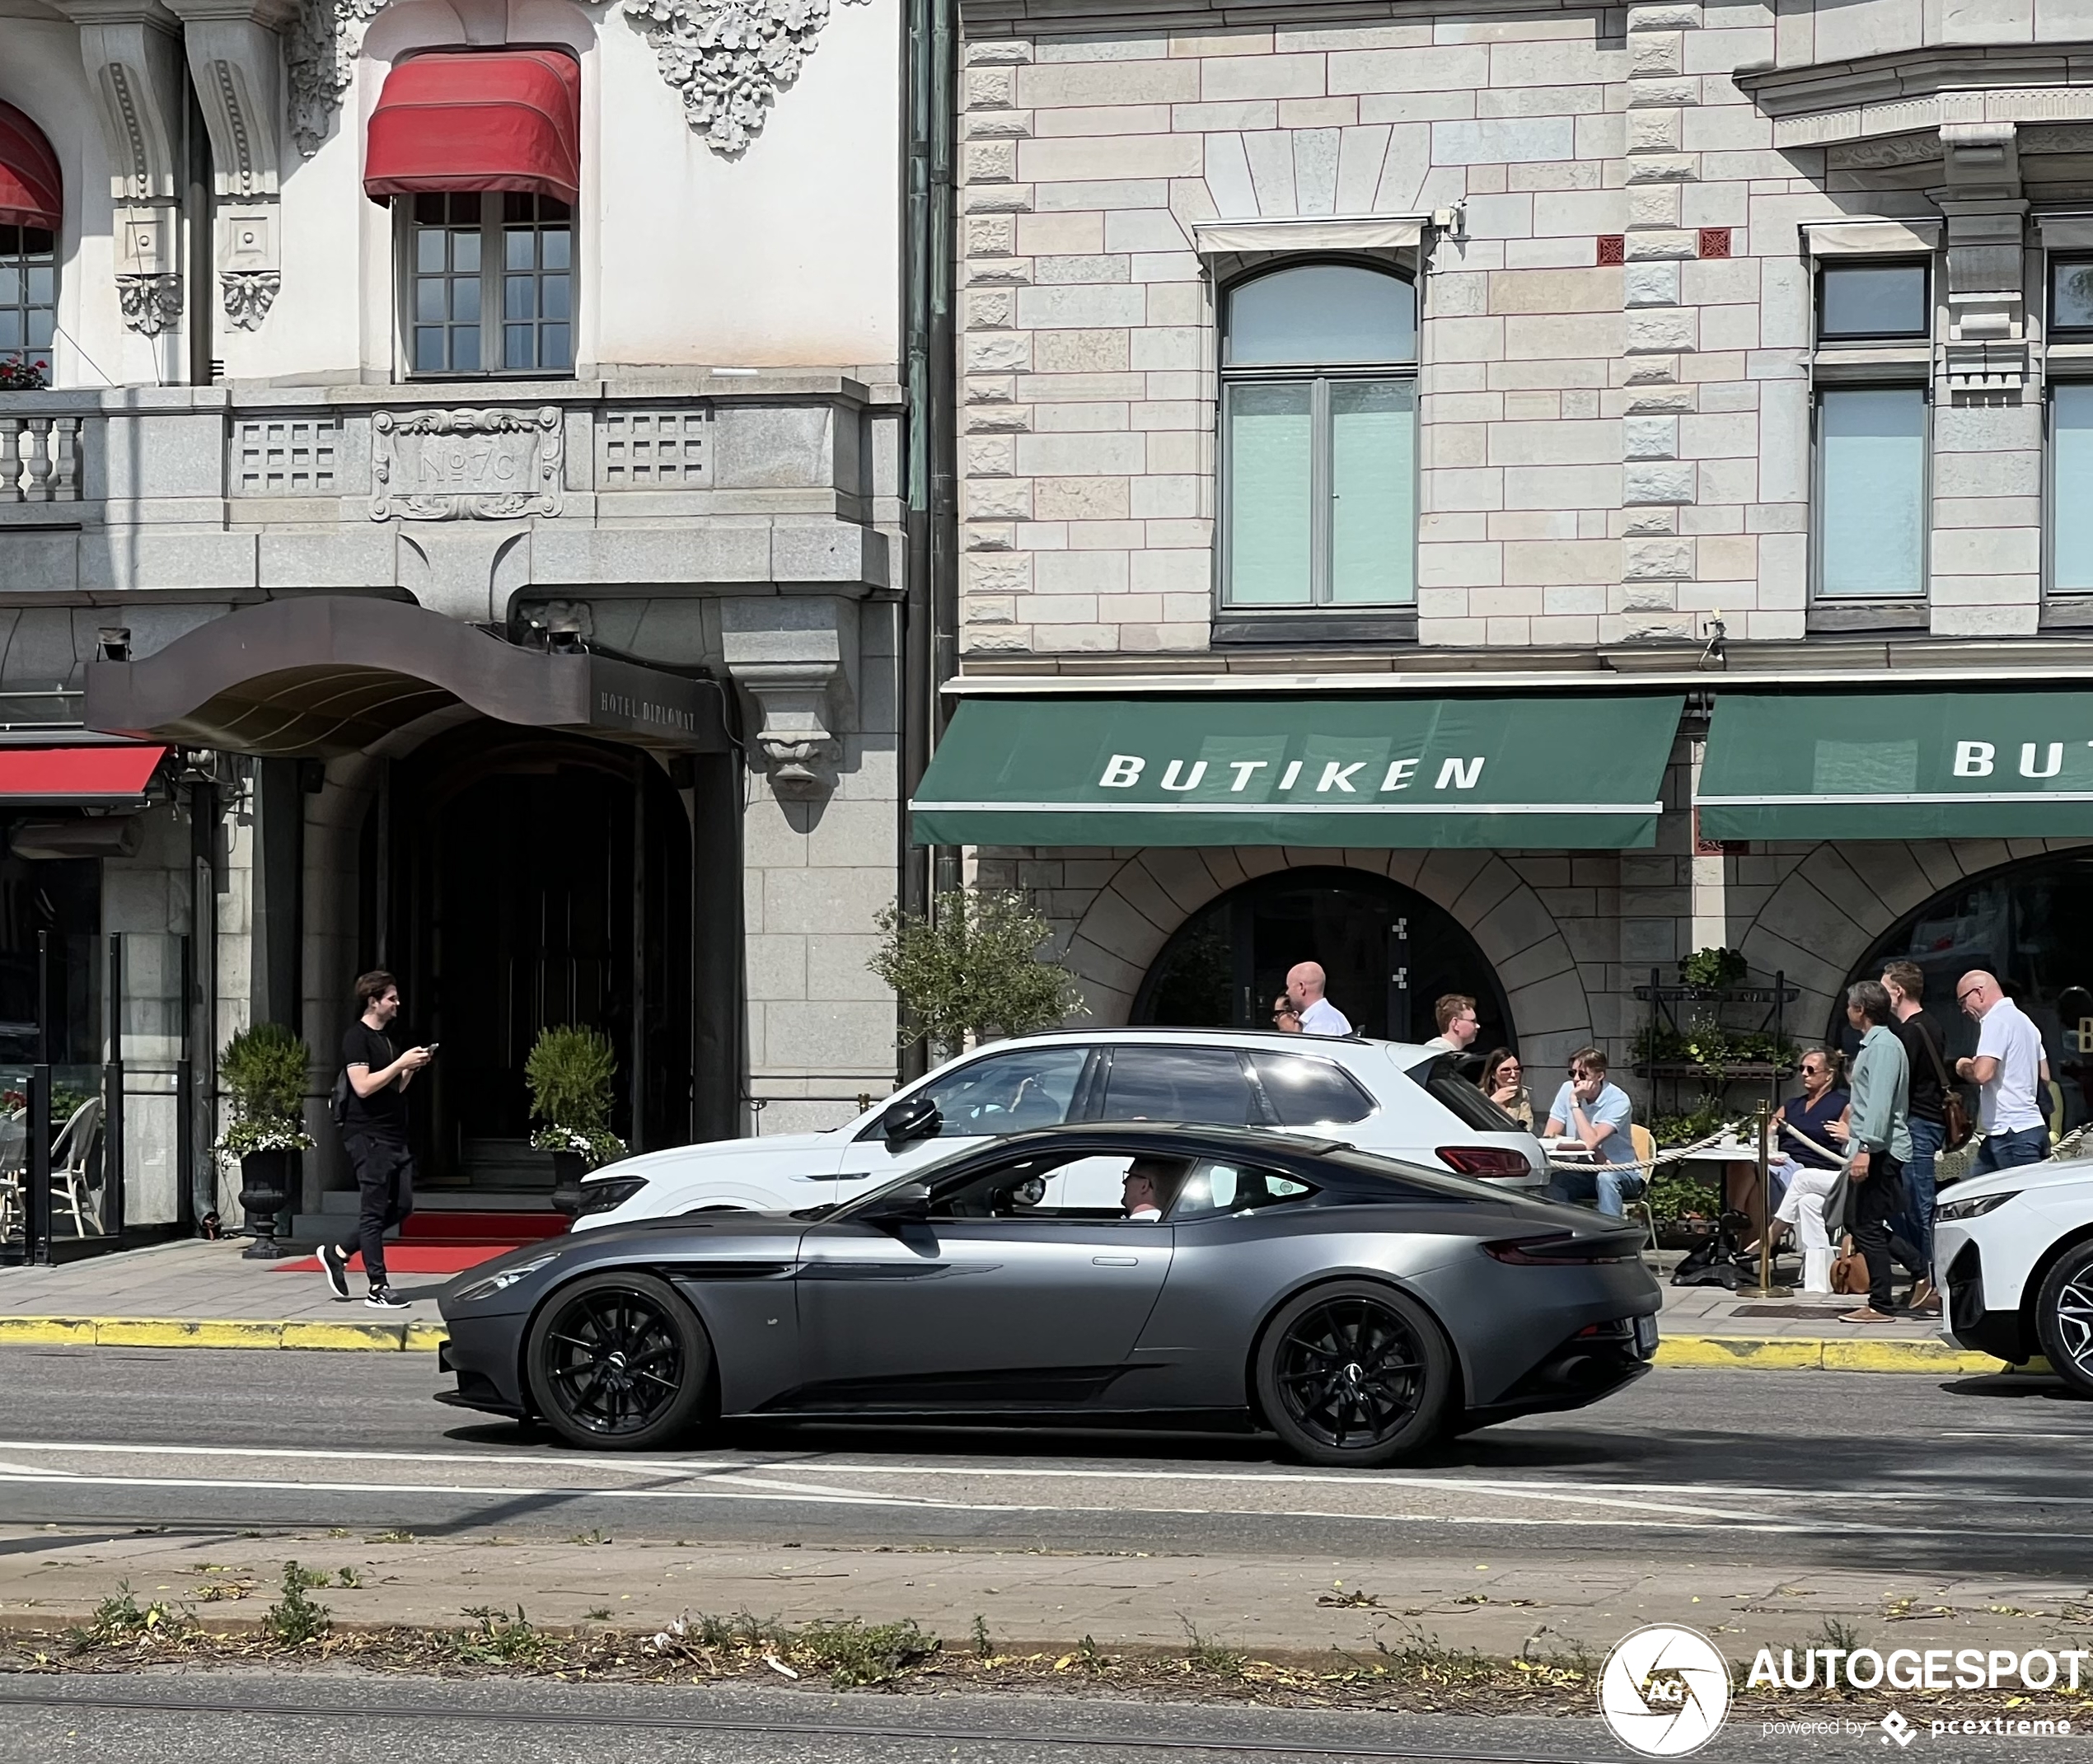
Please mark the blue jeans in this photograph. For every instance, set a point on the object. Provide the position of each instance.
(2009, 1151)
(1916, 1226)
(1609, 1186)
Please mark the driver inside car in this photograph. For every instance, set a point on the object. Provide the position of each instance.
(1151, 1185)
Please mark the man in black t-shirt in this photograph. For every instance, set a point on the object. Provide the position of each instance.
(374, 1133)
(1926, 1052)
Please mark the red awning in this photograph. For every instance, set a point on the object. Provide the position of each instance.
(478, 120)
(109, 773)
(32, 194)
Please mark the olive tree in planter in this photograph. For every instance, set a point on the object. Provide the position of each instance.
(264, 1070)
(973, 972)
(569, 1071)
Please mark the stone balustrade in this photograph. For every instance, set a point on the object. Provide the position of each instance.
(39, 459)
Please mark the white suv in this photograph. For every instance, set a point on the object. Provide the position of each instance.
(2013, 1252)
(1409, 1102)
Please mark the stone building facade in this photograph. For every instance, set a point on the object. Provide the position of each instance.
(496, 524)
(1746, 357)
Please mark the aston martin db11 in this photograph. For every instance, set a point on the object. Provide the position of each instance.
(1139, 1274)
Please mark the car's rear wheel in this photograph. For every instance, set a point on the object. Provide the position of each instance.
(1354, 1373)
(2063, 1317)
(618, 1361)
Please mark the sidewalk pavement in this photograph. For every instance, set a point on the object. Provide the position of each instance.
(199, 1295)
(1034, 1599)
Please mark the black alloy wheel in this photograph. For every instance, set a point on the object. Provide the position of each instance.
(618, 1361)
(1354, 1373)
(2063, 1317)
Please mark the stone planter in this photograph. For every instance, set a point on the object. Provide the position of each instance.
(265, 1192)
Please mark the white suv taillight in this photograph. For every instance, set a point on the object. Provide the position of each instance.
(1484, 1161)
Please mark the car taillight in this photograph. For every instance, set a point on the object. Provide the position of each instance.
(1562, 1251)
(1484, 1160)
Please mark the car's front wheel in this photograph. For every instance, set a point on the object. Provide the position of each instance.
(618, 1361)
(2063, 1317)
(1354, 1373)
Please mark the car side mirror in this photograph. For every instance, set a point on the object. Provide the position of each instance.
(918, 1118)
(910, 1201)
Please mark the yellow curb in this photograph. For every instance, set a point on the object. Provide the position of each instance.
(1878, 1355)
(1775, 1353)
(425, 1338)
(168, 1331)
(78, 1332)
(347, 1336)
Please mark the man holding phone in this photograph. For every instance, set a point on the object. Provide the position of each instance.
(374, 1134)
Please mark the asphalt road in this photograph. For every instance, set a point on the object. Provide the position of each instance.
(1793, 1469)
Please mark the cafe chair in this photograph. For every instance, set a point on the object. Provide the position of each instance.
(73, 1178)
(1645, 1142)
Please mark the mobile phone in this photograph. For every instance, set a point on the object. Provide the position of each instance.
(431, 1048)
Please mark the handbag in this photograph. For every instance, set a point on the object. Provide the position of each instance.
(1849, 1271)
(1956, 1125)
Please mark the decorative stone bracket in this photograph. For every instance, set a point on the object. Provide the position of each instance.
(1985, 349)
(793, 656)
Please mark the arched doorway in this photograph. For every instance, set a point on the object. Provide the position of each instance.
(534, 879)
(2031, 924)
(1389, 953)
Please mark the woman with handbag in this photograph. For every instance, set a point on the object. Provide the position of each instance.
(1878, 1144)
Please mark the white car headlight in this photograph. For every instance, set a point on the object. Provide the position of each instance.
(1975, 1208)
(508, 1276)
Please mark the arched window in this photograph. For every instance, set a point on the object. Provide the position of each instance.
(1319, 426)
(30, 201)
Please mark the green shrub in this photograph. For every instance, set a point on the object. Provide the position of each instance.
(570, 1070)
(973, 971)
(263, 1070)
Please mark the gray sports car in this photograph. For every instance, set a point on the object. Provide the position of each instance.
(1131, 1274)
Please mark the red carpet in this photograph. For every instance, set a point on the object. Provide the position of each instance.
(444, 1225)
(405, 1257)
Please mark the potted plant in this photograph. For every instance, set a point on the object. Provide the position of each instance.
(1711, 970)
(569, 1071)
(19, 375)
(265, 1069)
(973, 972)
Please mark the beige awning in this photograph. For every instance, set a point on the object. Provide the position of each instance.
(1372, 232)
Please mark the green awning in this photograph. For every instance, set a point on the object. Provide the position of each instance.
(1880, 764)
(1563, 771)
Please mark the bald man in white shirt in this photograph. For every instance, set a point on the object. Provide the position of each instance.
(1304, 983)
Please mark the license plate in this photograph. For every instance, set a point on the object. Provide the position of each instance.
(1645, 1336)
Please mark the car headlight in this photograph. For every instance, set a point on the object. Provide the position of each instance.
(508, 1276)
(1975, 1208)
(612, 1191)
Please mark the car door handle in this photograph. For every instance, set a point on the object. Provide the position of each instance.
(1115, 1261)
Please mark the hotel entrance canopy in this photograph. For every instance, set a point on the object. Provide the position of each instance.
(1564, 772)
(324, 675)
(1899, 765)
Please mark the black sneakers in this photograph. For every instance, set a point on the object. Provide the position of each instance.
(385, 1298)
(335, 1266)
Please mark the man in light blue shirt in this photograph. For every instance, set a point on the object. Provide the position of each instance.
(1597, 1115)
(1878, 1146)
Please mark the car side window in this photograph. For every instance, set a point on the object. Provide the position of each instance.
(1203, 1084)
(1214, 1189)
(1012, 1092)
(1308, 1093)
(1091, 1188)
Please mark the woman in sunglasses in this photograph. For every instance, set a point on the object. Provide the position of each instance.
(1504, 1082)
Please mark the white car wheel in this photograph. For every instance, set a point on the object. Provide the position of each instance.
(2064, 1317)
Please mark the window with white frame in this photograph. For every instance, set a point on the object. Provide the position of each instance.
(29, 293)
(1871, 430)
(489, 283)
(1318, 439)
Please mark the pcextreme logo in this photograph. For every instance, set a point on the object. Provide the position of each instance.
(1664, 1690)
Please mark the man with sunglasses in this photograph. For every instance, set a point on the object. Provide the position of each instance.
(2007, 1070)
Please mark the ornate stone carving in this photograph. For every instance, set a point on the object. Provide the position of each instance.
(152, 303)
(801, 766)
(1894, 150)
(729, 59)
(248, 294)
(466, 464)
(319, 52)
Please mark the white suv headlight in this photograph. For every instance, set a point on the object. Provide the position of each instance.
(1975, 1208)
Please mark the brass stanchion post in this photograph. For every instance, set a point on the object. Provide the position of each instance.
(1767, 1288)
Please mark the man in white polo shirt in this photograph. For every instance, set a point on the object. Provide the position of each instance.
(2007, 1069)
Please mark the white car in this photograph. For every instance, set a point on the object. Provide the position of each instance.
(1407, 1102)
(2013, 1251)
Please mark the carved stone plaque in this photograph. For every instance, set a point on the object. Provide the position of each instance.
(466, 464)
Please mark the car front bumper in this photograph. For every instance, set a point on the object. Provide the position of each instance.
(484, 1355)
